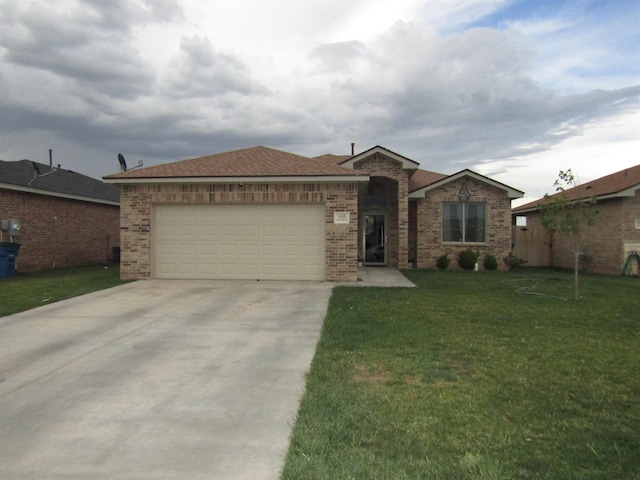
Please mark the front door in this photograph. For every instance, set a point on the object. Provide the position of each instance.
(375, 239)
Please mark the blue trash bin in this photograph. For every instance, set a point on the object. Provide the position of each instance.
(8, 254)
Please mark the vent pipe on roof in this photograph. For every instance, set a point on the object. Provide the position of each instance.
(50, 158)
(353, 148)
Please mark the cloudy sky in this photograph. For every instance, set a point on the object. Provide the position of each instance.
(516, 90)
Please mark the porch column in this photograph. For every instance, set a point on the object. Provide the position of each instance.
(421, 234)
(403, 220)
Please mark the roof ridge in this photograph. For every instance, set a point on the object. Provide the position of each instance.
(250, 162)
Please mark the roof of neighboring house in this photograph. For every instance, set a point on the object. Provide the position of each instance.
(245, 163)
(33, 177)
(620, 184)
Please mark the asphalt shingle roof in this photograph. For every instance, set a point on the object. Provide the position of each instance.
(609, 185)
(248, 162)
(422, 178)
(28, 174)
(262, 162)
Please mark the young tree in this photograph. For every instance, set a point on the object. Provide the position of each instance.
(569, 217)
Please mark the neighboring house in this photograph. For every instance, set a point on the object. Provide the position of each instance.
(260, 213)
(66, 219)
(609, 241)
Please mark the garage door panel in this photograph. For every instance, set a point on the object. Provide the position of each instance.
(239, 241)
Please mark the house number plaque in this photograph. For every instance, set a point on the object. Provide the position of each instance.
(341, 217)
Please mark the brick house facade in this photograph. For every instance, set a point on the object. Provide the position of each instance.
(138, 200)
(428, 212)
(378, 208)
(606, 244)
(66, 219)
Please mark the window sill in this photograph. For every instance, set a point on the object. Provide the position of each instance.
(464, 243)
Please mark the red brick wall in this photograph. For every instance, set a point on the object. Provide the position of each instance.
(341, 239)
(429, 244)
(380, 166)
(59, 232)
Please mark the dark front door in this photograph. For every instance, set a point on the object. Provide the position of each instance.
(375, 239)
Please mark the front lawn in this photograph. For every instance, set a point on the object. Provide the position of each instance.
(25, 291)
(475, 375)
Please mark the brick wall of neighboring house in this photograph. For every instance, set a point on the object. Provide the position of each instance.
(429, 244)
(398, 209)
(58, 232)
(136, 210)
(605, 243)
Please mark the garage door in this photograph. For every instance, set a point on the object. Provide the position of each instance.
(279, 242)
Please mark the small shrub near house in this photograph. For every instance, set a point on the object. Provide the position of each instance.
(490, 263)
(511, 261)
(443, 262)
(467, 259)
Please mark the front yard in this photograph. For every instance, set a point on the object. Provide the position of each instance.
(475, 376)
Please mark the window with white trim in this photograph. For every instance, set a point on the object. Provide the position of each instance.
(463, 222)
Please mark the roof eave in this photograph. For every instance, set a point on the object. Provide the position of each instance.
(512, 193)
(237, 179)
(69, 196)
(627, 192)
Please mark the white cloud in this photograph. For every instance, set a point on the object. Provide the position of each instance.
(606, 147)
(176, 79)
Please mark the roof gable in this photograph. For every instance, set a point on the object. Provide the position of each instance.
(254, 162)
(33, 177)
(511, 192)
(407, 163)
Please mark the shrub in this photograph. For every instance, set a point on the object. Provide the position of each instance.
(490, 262)
(443, 262)
(512, 261)
(467, 259)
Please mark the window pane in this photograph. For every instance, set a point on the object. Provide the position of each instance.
(452, 222)
(475, 227)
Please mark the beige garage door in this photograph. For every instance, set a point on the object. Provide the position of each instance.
(280, 242)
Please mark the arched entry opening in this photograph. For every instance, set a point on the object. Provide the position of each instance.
(379, 223)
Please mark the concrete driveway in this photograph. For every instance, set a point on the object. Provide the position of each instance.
(157, 380)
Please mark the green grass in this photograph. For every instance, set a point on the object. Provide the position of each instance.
(26, 291)
(475, 375)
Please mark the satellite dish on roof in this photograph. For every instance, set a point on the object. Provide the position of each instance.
(123, 163)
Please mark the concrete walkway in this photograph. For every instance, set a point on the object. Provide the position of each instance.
(380, 277)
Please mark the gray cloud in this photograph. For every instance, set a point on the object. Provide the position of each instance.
(84, 46)
(338, 57)
(75, 77)
(459, 99)
(200, 72)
